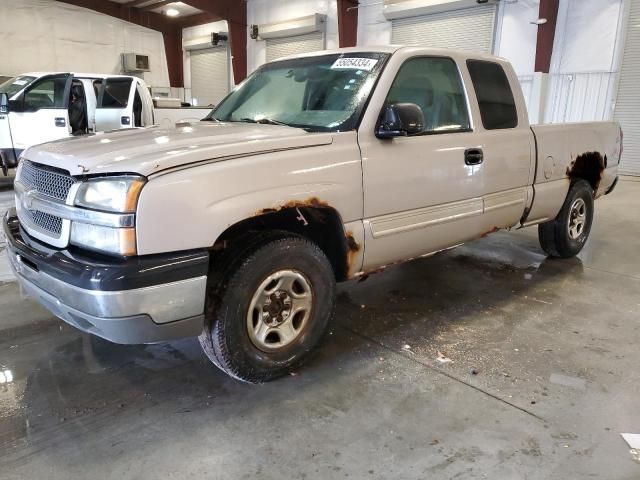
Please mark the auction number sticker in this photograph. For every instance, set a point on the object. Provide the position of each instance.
(355, 63)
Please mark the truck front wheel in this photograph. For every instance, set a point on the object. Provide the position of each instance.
(271, 311)
(565, 236)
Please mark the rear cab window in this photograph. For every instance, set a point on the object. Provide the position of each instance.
(495, 98)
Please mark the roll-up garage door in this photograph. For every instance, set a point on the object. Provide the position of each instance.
(465, 29)
(628, 102)
(209, 75)
(282, 47)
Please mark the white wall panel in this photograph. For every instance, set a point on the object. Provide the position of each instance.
(585, 61)
(517, 36)
(44, 35)
(586, 35)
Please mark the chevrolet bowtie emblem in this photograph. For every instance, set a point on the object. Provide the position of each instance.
(27, 199)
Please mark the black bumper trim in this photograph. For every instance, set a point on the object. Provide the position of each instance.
(102, 273)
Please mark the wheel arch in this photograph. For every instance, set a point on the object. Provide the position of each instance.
(311, 219)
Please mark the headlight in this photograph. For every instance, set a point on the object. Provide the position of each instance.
(111, 194)
(121, 241)
(108, 194)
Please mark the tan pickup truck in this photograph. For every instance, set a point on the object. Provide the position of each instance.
(315, 170)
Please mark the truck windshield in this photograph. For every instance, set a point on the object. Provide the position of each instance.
(14, 85)
(324, 93)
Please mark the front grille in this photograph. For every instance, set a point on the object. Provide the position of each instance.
(49, 223)
(49, 181)
(46, 180)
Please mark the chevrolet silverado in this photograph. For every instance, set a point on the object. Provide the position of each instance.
(316, 169)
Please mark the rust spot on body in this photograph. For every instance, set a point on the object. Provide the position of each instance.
(493, 230)
(352, 249)
(313, 202)
(365, 276)
(589, 166)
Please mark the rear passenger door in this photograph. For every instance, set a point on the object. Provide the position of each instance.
(115, 104)
(505, 139)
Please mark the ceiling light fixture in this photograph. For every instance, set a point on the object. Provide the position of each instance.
(172, 12)
(540, 21)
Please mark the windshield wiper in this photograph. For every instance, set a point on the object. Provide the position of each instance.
(264, 121)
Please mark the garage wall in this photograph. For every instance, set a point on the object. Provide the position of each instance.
(628, 100)
(53, 36)
(516, 40)
(285, 46)
(514, 36)
(465, 29)
(268, 11)
(586, 61)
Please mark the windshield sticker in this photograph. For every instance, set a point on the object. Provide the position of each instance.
(19, 82)
(354, 64)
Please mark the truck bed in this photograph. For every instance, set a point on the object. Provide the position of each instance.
(572, 149)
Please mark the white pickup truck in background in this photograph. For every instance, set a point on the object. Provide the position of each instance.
(42, 107)
(316, 169)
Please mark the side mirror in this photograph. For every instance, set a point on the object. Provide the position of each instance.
(4, 104)
(400, 120)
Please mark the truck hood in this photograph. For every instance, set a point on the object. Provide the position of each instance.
(154, 149)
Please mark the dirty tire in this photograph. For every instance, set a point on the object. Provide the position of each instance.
(226, 339)
(555, 236)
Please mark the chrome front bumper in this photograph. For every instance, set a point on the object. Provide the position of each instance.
(151, 313)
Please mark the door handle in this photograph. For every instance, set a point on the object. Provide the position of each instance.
(60, 122)
(473, 156)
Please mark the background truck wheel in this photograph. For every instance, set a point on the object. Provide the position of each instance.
(270, 311)
(565, 236)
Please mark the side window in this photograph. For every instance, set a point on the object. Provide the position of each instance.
(115, 93)
(495, 98)
(434, 84)
(46, 93)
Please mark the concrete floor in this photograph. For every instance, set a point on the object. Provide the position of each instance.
(544, 376)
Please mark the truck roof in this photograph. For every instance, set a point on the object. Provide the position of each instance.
(449, 52)
(75, 74)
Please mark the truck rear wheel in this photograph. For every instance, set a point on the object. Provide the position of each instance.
(271, 311)
(565, 236)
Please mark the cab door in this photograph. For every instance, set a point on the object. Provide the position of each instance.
(115, 104)
(423, 192)
(40, 113)
(146, 113)
(506, 141)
